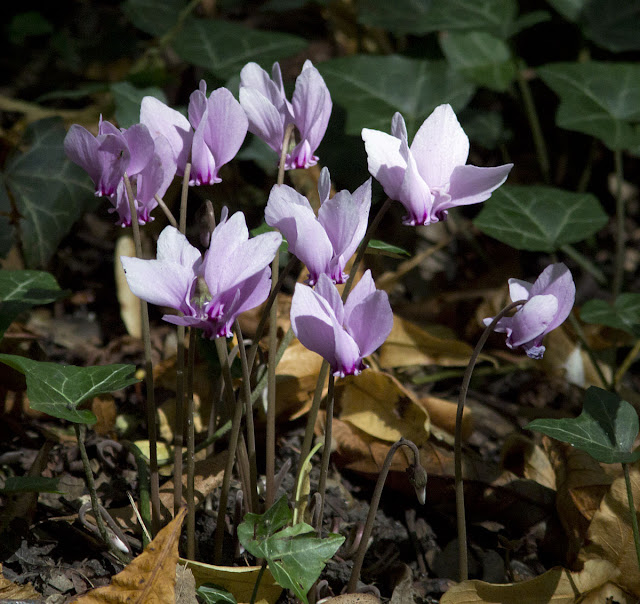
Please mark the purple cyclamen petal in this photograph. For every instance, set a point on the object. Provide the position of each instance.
(533, 319)
(265, 121)
(370, 322)
(327, 290)
(557, 280)
(384, 160)
(414, 193)
(197, 105)
(141, 148)
(471, 184)
(519, 290)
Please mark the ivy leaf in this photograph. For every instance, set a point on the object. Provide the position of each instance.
(570, 9)
(20, 290)
(30, 484)
(224, 48)
(373, 88)
(399, 17)
(606, 428)
(295, 555)
(481, 58)
(50, 192)
(600, 99)
(540, 219)
(155, 17)
(386, 249)
(58, 390)
(624, 314)
(212, 594)
(128, 99)
(613, 25)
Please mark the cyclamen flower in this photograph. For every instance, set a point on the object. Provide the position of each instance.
(210, 292)
(211, 137)
(269, 111)
(325, 243)
(343, 334)
(548, 303)
(430, 177)
(114, 152)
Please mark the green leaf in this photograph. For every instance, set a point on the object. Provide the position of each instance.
(155, 17)
(58, 390)
(224, 48)
(485, 128)
(27, 25)
(213, 594)
(386, 249)
(613, 25)
(128, 99)
(624, 314)
(600, 99)
(373, 88)
(571, 9)
(399, 17)
(20, 290)
(255, 528)
(480, 57)
(30, 484)
(50, 192)
(540, 219)
(606, 428)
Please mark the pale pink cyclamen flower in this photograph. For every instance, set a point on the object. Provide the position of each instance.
(430, 176)
(269, 111)
(326, 242)
(210, 138)
(111, 154)
(210, 292)
(343, 334)
(548, 303)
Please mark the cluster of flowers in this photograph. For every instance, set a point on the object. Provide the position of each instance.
(428, 177)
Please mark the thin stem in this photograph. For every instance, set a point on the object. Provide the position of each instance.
(270, 452)
(632, 510)
(373, 508)
(534, 124)
(143, 488)
(167, 212)
(248, 410)
(254, 593)
(585, 263)
(618, 274)
(628, 360)
(184, 194)
(148, 369)
(191, 504)
(223, 355)
(326, 452)
(462, 525)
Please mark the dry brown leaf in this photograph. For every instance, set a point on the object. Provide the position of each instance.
(610, 536)
(352, 599)
(524, 458)
(442, 414)
(12, 591)
(104, 408)
(557, 585)
(130, 305)
(378, 404)
(148, 579)
(237, 580)
(409, 344)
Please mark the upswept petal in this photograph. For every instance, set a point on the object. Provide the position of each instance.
(141, 148)
(340, 217)
(311, 105)
(362, 198)
(81, 147)
(227, 236)
(324, 185)
(253, 292)
(399, 127)
(265, 121)
(165, 154)
(414, 193)
(197, 105)
(370, 322)
(533, 319)
(327, 290)
(361, 290)
(227, 126)
(348, 359)
(173, 246)
(384, 160)
(163, 120)
(557, 280)
(157, 282)
(471, 184)
(252, 76)
(439, 146)
(519, 290)
(203, 164)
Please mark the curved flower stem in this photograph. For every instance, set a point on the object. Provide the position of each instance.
(148, 370)
(618, 274)
(632, 510)
(624, 366)
(417, 476)
(223, 355)
(248, 410)
(462, 526)
(273, 347)
(326, 452)
(167, 212)
(191, 503)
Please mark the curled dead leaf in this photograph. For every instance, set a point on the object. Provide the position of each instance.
(12, 591)
(442, 414)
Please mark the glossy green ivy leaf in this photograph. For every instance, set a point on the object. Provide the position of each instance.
(624, 314)
(155, 17)
(613, 25)
(128, 99)
(296, 557)
(600, 99)
(372, 88)
(213, 594)
(480, 57)
(50, 192)
(20, 290)
(59, 390)
(30, 484)
(540, 219)
(606, 428)
(224, 48)
(386, 249)
(399, 17)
